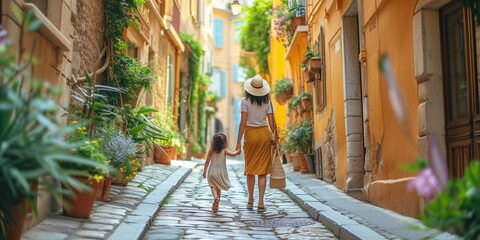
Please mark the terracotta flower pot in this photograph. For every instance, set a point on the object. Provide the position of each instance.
(306, 102)
(303, 162)
(315, 64)
(14, 229)
(80, 204)
(280, 99)
(103, 193)
(119, 180)
(295, 161)
(163, 157)
(173, 153)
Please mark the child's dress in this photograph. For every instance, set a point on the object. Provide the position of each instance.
(217, 174)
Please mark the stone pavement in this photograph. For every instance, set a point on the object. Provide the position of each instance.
(187, 213)
(155, 181)
(350, 218)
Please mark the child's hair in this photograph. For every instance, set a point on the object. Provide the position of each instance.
(219, 142)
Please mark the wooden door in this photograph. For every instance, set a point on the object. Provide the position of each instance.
(460, 85)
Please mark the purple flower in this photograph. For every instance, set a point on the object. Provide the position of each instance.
(3, 35)
(426, 183)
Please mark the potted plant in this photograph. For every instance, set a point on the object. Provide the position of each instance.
(31, 137)
(301, 138)
(120, 150)
(80, 204)
(306, 98)
(283, 90)
(141, 126)
(297, 13)
(164, 149)
(314, 61)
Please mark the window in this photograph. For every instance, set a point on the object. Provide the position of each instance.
(218, 33)
(219, 82)
(237, 25)
(320, 84)
(239, 74)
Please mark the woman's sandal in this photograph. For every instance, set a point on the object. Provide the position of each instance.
(249, 205)
(215, 205)
(261, 208)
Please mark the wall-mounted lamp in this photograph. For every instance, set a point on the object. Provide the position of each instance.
(236, 7)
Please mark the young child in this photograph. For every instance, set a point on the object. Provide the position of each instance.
(215, 169)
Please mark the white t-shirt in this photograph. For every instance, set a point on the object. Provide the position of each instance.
(256, 114)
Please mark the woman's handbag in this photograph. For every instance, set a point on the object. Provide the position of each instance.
(277, 177)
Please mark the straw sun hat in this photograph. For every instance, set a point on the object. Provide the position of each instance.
(257, 86)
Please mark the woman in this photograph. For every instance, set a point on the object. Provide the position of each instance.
(256, 108)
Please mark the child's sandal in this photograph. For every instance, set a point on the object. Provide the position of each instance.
(249, 205)
(215, 205)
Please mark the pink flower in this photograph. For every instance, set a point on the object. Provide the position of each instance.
(426, 183)
(437, 162)
(73, 150)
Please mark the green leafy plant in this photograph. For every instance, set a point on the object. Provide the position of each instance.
(306, 95)
(282, 85)
(32, 146)
(165, 121)
(309, 53)
(142, 127)
(294, 102)
(255, 34)
(301, 136)
(86, 148)
(456, 210)
(131, 76)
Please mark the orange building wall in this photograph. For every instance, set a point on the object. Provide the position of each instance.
(388, 31)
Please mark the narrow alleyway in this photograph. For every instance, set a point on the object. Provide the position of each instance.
(187, 213)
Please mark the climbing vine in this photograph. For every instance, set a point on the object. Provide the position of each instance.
(124, 71)
(194, 75)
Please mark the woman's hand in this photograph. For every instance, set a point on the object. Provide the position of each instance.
(239, 147)
(204, 174)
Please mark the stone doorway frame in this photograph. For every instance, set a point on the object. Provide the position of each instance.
(427, 59)
(352, 89)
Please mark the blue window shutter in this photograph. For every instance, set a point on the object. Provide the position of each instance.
(237, 26)
(224, 84)
(235, 72)
(218, 33)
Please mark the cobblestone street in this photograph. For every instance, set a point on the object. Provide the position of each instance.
(187, 213)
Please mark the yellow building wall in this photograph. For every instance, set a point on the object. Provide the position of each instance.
(276, 62)
(221, 61)
(334, 84)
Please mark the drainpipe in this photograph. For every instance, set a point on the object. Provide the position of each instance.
(178, 55)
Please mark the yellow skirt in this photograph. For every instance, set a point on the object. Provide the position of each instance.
(257, 151)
